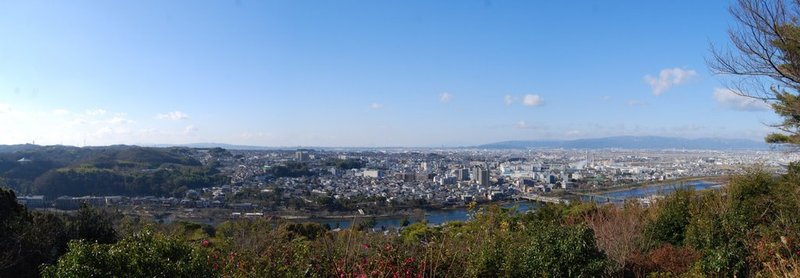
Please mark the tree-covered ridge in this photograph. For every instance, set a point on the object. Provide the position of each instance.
(116, 170)
(345, 164)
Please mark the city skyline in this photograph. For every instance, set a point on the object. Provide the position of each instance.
(359, 74)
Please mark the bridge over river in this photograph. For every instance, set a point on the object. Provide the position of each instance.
(598, 197)
(647, 191)
(542, 199)
(619, 196)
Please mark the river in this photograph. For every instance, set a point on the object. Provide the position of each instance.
(650, 190)
(434, 217)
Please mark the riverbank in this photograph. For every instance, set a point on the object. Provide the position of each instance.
(432, 217)
(648, 191)
(612, 189)
(406, 212)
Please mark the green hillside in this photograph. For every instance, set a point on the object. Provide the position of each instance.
(116, 170)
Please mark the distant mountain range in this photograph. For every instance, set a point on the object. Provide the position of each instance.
(635, 142)
(215, 145)
(617, 142)
(17, 148)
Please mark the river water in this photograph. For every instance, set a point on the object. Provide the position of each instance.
(646, 191)
(434, 217)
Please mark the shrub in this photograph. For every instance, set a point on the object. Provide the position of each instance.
(670, 218)
(618, 233)
(559, 251)
(144, 254)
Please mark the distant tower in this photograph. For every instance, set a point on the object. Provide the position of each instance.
(481, 175)
(425, 167)
(301, 156)
(484, 179)
(463, 174)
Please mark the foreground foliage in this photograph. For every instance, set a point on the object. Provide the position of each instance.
(29, 239)
(144, 254)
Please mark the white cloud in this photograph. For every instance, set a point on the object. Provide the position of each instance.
(66, 125)
(95, 112)
(730, 99)
(532, 100)
(668, 78)
(190, 129)
(508, 99)
(174, 116)
(119, 120)
(78, 121)
(534, 125)
(634, 102)
(61, 112)
(445, 97)
(375, 106)
(5, 108)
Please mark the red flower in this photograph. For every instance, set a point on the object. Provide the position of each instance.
(205, 243)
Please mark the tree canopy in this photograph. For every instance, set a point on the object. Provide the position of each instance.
(765, 60)
(114, 170)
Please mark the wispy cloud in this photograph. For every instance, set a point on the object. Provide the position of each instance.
(732, 100)
(95, 112)
(78, 121)
(190, 129)
(173, 116)
(119, 120)
(5, 108)
(532, 100)
(60, 112)
(534, 126)
(445, 97)
(508, 99)
(634, 102)
(669, 78)
(375, 106)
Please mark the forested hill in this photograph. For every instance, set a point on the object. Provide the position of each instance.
(114, 170)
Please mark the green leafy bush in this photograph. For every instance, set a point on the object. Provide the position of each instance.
(144, 254)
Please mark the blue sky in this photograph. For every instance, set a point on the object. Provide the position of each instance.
(363, 73)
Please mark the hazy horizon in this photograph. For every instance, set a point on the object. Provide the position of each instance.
(364, 74)
(239, 146)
